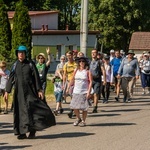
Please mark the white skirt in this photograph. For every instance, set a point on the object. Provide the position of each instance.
(79, 101)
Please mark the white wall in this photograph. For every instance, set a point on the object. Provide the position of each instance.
(54, 40)
(50, 19)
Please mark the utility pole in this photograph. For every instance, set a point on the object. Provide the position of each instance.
(84, 26)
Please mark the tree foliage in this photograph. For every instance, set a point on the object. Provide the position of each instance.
(5, 33)
(117, 20)
(21, 33)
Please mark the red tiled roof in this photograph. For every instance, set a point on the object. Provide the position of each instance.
(32, 13)
(140, 41)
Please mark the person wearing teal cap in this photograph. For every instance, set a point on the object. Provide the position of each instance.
(31, 113)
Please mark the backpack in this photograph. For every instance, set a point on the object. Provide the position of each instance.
(15, 64)
(95, 68)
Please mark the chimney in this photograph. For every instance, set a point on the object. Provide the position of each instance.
(43, 28)
(46, 27)
(67, 27)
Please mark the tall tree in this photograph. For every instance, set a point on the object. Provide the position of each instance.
(117, 20)
(21, 33)
(5, 33)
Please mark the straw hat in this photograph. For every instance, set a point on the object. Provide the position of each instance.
(40, 54)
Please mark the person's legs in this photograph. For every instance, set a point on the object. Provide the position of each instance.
(6, 103)
(143, 81)
(6, 106)
(84, 115)
(148, 83)
(77, 113)
(96, 88)
(130, 87)
(57, 103)
(124, 86)
(107, 90)
(118, 87)
(103, 92)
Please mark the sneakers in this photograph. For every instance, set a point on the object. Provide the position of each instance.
(143, 93)
(77, 122)
(21, 137)
(55, 112)
(82, 124)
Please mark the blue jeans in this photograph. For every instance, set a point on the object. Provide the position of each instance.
(58, 96)
(145, 80)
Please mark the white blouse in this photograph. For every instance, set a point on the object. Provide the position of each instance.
(81, 82)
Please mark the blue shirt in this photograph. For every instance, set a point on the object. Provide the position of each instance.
(129, 68)
(115, 63)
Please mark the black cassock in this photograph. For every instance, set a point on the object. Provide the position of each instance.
(30, 113)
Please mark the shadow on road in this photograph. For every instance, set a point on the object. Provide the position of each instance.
(65, 135)
(64, 123)
(112, 124)
(6, 131)
(13, 147)
(121, 110)
(4, 128)
(100, 115)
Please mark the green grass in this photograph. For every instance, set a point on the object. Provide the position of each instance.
(49, 95)
(50, 87)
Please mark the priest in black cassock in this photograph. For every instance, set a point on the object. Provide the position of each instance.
(31, 112)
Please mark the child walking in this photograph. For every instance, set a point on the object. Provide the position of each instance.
(58, 90)
(4, 75)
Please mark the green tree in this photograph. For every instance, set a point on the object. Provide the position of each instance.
(5, 33)
(21, 33)
(116, 20)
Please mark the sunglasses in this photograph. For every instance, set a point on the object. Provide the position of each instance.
(81, 60)
(40, 57)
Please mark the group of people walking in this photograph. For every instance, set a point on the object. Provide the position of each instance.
(76, 76)
(84, 79)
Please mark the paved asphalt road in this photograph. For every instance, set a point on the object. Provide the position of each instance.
(116, 126)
